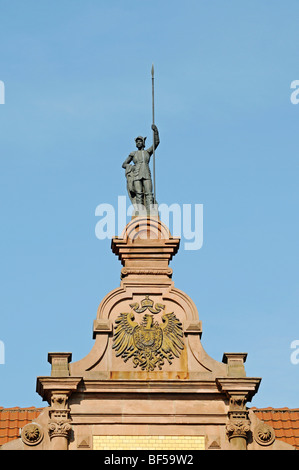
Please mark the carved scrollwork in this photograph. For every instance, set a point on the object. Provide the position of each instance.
(59, 429)
(239, 423)
(238, 428)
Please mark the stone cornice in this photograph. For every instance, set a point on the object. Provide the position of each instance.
(46, 385)
(152, 386)
(247, 386)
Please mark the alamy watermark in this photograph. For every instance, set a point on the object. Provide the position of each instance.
(184, 221)
(295, 94)
(295, 354)
(2, 92)
(2, 353)
(295, 344)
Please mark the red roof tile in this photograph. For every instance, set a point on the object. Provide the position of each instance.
(284, 421)
(13, 419)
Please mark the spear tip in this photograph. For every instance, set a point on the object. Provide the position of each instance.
(152, 70)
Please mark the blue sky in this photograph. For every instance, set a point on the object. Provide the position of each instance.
(77, 91)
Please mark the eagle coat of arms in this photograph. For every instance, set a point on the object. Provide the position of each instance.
(148, 343)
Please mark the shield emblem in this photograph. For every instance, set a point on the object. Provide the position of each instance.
(149, 339)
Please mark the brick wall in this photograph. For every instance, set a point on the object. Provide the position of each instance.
(148, 442)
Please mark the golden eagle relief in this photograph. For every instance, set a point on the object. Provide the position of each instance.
(148, 343)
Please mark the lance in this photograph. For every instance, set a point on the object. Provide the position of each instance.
(153, 115)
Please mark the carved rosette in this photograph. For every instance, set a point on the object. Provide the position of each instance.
(59, 423)
(32, 434)
(264, 434)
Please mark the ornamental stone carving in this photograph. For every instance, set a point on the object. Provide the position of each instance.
(264, 434)
(147, 304)
(59, 423)
(32, 434)
(148, 343)
(238, 426)
(237, 402)
(239, 422)
(59, 401)
(239, 390)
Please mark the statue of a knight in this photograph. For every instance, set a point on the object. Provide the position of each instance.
(139, 181)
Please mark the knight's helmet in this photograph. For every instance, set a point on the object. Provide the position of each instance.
(143, 139)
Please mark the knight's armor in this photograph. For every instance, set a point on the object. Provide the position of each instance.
(139, 181)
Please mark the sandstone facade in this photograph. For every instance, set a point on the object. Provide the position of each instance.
(147, 383)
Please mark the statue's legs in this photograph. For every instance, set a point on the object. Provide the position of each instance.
(139, 192)
(148, 192)
(144, 194)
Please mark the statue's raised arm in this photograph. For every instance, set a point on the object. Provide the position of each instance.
(156, 139)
